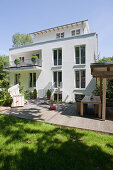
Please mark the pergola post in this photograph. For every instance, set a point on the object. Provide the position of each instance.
(104, 100)
(101, 88)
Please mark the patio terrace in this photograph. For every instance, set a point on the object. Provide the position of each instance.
(64, 115)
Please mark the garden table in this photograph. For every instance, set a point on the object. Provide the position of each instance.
(88, 100)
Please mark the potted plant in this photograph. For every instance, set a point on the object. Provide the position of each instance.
(49, 94)
(35, 93)
(17, 61)
(34, 59)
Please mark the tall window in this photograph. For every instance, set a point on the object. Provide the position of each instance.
(57, 77)
(57, 57)
(80, 54)
(32, 79)
(17, 79)
(80, 79)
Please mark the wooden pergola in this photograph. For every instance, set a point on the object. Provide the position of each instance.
(103, 71)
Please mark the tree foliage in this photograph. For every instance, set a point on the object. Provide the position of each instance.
(106, 59)
(4, 76)
(109, 86)
(21, 39)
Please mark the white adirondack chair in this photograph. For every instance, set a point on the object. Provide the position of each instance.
(18, 98)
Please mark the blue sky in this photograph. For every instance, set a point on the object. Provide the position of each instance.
(26, 16)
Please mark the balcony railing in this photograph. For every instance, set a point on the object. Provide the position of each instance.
(25, 63)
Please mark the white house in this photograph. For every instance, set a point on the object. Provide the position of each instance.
(64, 56)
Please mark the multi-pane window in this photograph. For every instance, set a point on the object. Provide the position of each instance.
(58, 96)
(32, 79)
(73, 32)
(80, 79)
(21, 59)
(17, 79)
(57, 57)
(57, 78)
(78, 32)
(60, 35)
(80, 54)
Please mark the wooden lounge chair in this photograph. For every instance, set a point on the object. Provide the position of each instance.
(18, 98)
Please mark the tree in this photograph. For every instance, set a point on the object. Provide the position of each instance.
(4, 76)
(106, 59)
(109, 87)
(21, 39)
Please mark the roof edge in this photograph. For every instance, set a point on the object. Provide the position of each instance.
(55, 40)
(58, 26)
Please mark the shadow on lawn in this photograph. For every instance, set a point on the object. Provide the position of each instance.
(49, 151)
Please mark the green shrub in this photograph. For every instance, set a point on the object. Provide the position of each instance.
(35, 93)
(96, 92)
(1, 102)
(21, 89)
(5, 98)
(34, 59)
(27, 94)
(48, 93)
(31, 95)
(17, 61)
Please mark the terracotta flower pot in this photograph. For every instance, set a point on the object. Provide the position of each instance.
(35, 97)
(48, 97)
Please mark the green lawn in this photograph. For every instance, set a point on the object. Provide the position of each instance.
(29, 145)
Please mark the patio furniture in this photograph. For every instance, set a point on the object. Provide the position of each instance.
(78, 98)
(18, 98)
(88, 100)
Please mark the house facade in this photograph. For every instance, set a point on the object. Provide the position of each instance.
(63, 65)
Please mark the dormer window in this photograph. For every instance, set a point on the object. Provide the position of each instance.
(78, 32)
(73, 33)
(60, 35)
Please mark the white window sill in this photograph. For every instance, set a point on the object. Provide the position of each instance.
(79, 64)
(79, 88)
(57, 65)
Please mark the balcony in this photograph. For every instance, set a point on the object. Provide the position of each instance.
(26, 64)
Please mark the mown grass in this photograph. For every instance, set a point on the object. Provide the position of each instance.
(31, 145)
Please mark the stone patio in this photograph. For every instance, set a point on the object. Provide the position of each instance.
(64, 115)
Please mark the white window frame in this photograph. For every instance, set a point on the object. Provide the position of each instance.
(57, 78)
(76, 31)
(57, 57)
(60, 35)
(32, 80)
(71, 32)
(80, 88)
(80, 54)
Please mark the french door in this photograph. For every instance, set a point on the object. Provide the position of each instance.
(57, 78)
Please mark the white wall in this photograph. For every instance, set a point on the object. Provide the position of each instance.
(46, 36)
(68, 64)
